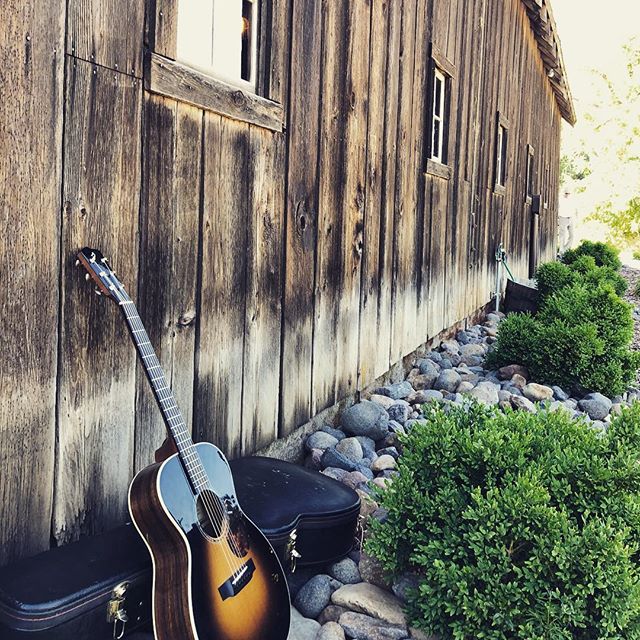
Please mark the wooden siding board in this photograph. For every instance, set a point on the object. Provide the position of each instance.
(107, 32)
(374, 315)
(301, 216)
(261, 372)
(97, 372)
(404, 291)
(169, 232)
(341, 200)
(222, 295)
(31, 44)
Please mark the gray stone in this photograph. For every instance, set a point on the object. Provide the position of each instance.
(428, 367)
(371, 600)
(537, 392)
(397, 391)
(446, 364)
(314, 460)
(464, 387)
(335, 473)
(314, 596)
(302, 628)
(520, 402)
(368, 445)
(331, 613)
(333, 458)
(449, 346)
(371, 569)
(596, 406)
(455, 359)
(331, 631)
(471, 350)
(338, 434)
(351, 448)
(320, 440)
(448, 380)
(383, 463)
(389, 451)
(485, 393)
(346, 570)
(518, 381)
(364, 469)
(366, 419)
(427, 395)
(434, 356)
(399, 411)
(504, 396)
(506, 373)
(354, 479)
(616, 408)
(396, 427)
(559, 393)
(423, 381)
(383, 401)
(363, 627)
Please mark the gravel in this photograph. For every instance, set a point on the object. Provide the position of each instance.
(633, 278)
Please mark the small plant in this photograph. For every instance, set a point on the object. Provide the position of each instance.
(605, 255)
(516, 526)
(579, 338)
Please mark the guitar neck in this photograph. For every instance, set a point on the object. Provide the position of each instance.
(173, 419)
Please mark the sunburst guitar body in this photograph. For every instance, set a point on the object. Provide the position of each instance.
(214, 578)
(215, 575)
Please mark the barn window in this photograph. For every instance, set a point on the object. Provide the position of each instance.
(221, 38)
(530, 173)
(439, 110)
(501, 155)
(438, 123)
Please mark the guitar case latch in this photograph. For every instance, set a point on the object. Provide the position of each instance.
(291, 552)
(116, 613)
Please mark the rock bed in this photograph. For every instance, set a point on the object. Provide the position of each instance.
(633, 278)
(350, 598)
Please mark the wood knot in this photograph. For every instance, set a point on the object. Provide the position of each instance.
(186, 319)
(238, 98)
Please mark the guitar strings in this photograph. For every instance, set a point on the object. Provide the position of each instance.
(211, 507)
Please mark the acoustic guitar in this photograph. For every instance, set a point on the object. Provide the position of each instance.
(215, 575)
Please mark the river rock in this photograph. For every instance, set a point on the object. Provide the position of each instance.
(302, 628)
(537, 392)
(428, 367)
(365, 419)
(335, 473)
(518, 381)
(464, 387)
(351, 448)
(371, 600)
(346, 571)
(448, 380)
(365, 627)
(333, 458)
(506, 373)
(559, 393)
(397, 391)
(486, 393)
(320, 440)
(330, 631)
(354, 479)
(383, 463)
(314, 596)
(520, 402)
(383, 401)
(423, 381)
(331, 613)
(399, 411)
(595, 405)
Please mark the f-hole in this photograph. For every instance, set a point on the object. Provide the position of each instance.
(211, 514)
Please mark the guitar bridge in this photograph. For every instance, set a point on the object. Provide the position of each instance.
(238, 581)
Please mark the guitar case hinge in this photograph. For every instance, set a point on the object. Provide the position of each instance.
(116, 613)
(291, 552)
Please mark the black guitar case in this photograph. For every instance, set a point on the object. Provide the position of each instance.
(100, 587)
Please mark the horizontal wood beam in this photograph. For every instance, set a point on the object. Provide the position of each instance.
(175, 80)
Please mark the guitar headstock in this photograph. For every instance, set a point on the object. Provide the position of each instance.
(102, 274)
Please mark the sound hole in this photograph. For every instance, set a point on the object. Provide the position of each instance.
(211, 514)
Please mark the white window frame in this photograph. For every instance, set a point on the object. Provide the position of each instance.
(501, 155)
(529, 188)
(207, 39)
(439, 118)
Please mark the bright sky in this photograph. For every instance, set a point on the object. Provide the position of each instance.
(592, 33)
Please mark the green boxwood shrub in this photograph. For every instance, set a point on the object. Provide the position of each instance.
(579, 339)
(604, 254)
(516, 526)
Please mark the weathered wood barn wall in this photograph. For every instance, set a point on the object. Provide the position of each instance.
(285, 250)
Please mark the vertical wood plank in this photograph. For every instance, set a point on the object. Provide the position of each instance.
(341, 210)
(302, 215)
(107, 32)
(163, 27)
(374, 315)
(97, 373)
(222, 296)
(169, 231)
(31, 44)
(261, 372)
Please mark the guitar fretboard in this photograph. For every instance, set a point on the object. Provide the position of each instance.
(166, 401)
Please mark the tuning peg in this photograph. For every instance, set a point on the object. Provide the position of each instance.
(77, 263)
(87, 276)
(98, 292)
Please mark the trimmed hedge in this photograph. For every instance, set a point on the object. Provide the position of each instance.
(604, 254)
(516, 526)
